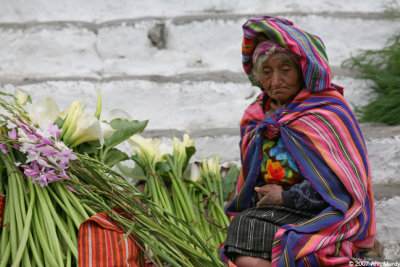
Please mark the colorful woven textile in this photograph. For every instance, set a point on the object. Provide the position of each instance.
(313, 59)
(99, 244)
(321, 133)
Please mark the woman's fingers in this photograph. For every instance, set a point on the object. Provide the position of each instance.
(270, 194)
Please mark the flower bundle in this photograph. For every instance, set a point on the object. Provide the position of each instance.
(176, 220)
(196, 200)
(41, 216)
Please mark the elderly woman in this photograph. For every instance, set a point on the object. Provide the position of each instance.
(304, 195)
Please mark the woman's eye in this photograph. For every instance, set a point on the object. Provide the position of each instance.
(266, 72)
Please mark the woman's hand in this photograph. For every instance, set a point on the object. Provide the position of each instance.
(270, 194)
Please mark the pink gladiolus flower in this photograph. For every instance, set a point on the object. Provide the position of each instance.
(13, 134)
(47, 157)
(30, 173)
(49, 152)
(54, 131)
(3, 148)
(71, 189)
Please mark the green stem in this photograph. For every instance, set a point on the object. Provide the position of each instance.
(6, 256)
(89, 210)
(74, 201)
(179, 212)
(13, 207)
(35, 251)
(44, 244)
(49, 222)
(70, 209)
(27, 228)
(5, 233)
(202, 221)
(219, 182)
(182, 193)
(71, 245)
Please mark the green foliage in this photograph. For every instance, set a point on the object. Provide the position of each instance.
(124, 130)
(383, 68)
(229, 181)
(392, 9)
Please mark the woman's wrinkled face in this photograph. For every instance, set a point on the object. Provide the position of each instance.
(281, 79)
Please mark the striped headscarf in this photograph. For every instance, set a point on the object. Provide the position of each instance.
(310, 48)
(322, 135)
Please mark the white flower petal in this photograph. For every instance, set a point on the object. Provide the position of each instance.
(45, 112)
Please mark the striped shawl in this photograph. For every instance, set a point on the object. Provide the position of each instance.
(321, 133)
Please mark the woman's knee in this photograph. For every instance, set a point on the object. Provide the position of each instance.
(246, 261)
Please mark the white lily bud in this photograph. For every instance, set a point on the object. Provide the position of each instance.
(21, 97)
(195, 172)
(44, 112)
(187, 142)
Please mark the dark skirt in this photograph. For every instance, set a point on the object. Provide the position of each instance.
(252, 232)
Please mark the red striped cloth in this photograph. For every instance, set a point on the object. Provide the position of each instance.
(2, 207)
(100, 245)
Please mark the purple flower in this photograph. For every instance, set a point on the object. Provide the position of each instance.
(42, 180)
(47, 158)
(3, 148)
(54, 131)
(13, 134)
(49, 152)
(31, 173)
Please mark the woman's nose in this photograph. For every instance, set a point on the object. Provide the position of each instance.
(276, 79)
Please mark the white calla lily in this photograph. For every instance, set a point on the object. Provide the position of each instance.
(109, 115)
(106, 129)
(187, 142)
(63, 114)
(150, 148)
(44, 112)
(195, 174)
(165, 149)
(211, 165)
(69, 125)
(87, 129)
(80, 127)
(21, 97)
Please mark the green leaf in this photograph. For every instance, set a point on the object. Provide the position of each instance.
(124, 130)
(29, 99)
(114, 156)
(59, 122)
(98, 107)
(139, 162)
(134, 173)
(89, 148)
(163, 168)
(229, 181)
(190, 151)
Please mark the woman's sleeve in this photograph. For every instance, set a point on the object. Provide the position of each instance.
(304, 197)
